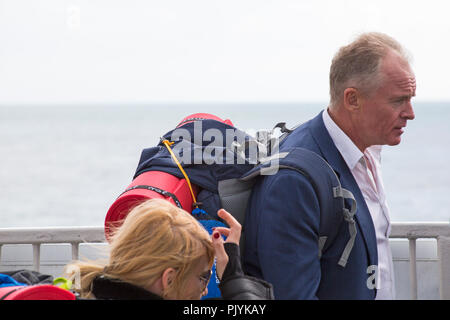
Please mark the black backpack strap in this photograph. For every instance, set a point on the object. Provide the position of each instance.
(157, 190)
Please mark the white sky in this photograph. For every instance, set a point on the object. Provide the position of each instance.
(130, 51)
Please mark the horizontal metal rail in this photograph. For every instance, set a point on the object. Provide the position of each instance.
(404, 230)
(38, 236)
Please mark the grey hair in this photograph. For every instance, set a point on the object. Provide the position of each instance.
(357, 64)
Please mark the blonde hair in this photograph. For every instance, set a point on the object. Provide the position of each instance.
(357, 64)
(155, 235)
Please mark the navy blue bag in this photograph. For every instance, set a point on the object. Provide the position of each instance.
(224, 162)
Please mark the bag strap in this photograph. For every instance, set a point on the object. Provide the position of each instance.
(339, 192)
(157, 190)
(336, 191)
(168, 143)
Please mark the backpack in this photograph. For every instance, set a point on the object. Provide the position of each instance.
(216, 166)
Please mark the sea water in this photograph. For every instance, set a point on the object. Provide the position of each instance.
(65, 165)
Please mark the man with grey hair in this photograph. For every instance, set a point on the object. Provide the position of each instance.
(371, 87)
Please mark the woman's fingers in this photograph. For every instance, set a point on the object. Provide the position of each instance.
(234, 232)
(223, 231)
(229, 219)
(221, 255)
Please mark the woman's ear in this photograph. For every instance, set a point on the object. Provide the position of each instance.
(168, 278)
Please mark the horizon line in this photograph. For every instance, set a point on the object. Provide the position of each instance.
(168, 102)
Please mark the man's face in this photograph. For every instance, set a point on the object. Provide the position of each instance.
(385, 112)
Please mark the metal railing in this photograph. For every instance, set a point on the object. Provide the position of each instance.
(38, 236)
(404, 230)
(420, 230)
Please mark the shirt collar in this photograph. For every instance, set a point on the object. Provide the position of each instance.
(343, 143)
(375, 152)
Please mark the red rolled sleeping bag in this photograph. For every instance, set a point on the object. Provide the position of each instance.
(156, 179)
(36, 292)
(128, 200)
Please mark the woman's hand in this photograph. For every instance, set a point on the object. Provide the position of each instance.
(233, 235)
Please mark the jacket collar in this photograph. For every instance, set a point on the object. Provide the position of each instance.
(105, 288)
(331, 154)
(326, 145)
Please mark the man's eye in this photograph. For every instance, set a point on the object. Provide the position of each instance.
(400, 101)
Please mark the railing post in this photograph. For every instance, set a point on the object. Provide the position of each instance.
(443, 244)
(75, 250)
(36, 256)
(413, 268)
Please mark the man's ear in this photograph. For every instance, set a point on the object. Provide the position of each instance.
(352, 99)
(168, 277)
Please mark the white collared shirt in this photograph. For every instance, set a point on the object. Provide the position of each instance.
(366, 169)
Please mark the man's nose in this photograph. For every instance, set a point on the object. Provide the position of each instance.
(408, 113)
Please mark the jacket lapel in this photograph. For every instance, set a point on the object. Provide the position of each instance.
(334, 158)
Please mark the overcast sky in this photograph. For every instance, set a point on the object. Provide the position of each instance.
(129, 51)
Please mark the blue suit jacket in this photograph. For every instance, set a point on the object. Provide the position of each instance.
(282, 230)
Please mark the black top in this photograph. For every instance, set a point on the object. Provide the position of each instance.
(237, 286)
(105, 288)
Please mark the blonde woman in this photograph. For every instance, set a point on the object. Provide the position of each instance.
(161, 252)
